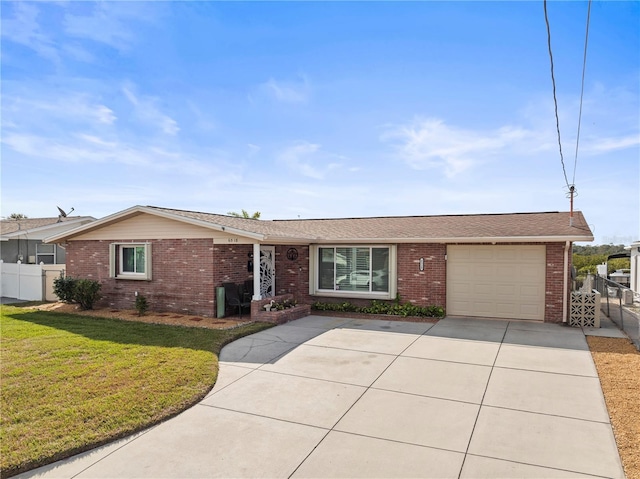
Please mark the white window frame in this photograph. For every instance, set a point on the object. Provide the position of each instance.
(40, 254)
(315, 290)
(115, 262)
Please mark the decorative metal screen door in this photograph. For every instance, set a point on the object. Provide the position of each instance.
(267, 271)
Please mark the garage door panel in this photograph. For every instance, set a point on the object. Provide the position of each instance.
(461, 289)
(482, 289)
(529, 255)
(508, 254)
(484, 308)
(531, 311)
(505, 291)
(507, 309)
(530, 292)
(504, 281)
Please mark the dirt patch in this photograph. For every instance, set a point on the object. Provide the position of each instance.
(618, 365)
(148, 317)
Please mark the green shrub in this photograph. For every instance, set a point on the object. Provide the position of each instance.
(142, 305)
(380, 307)
(63, 288)
(86, 292)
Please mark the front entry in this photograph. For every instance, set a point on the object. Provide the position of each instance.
(267, 271)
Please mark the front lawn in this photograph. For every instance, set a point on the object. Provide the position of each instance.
(70, 383)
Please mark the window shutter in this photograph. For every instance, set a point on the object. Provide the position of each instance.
(112, 260)
(147, 260)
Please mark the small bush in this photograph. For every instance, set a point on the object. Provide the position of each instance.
(142, 305)
(86, 292)
(63, 288)
(380, 307)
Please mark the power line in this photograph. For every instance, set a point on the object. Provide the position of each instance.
(555, 99)
(584, 67)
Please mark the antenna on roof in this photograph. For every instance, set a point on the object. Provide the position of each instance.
(63, 213)
(572, 192)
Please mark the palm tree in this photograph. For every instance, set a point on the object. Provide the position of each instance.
(245, 214)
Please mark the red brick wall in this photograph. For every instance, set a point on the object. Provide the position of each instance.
(429, 287)
(422, 288)
(187, 271)
(555, 282)
(292, 276)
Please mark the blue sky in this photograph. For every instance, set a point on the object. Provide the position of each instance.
(336, 109)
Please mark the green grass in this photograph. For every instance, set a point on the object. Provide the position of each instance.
(70, 383)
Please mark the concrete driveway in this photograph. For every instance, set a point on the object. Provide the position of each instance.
(328, 397)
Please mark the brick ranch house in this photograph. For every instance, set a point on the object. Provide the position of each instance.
(515, 266)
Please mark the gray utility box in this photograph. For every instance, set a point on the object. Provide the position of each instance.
(220, 306)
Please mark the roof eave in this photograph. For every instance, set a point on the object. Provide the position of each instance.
(40, 229)
(462, 239)
(204, 224)
(143, 209)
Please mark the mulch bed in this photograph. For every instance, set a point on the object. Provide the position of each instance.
(618, 365)
(149, 317)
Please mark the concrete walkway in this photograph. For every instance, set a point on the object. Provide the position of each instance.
(327, 397)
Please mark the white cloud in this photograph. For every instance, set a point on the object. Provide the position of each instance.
(310, 160)
(65, 108)
(146, 110)
(432, 144)
(83, 148)
(202, 121)
(109, 23)
(299, 156)
(253, 149)
(23, 28)
(605, 145)
(288, 92)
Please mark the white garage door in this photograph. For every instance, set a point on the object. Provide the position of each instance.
(496, 281)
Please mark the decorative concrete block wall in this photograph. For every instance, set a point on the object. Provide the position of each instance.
(585, 309)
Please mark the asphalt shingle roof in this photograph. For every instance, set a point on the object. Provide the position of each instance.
(447, 226)
(549, 226)
(508, 225)
(9, 226)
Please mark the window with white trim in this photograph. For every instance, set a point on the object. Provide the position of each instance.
(354, 270)
(130, 261)
(45, 253)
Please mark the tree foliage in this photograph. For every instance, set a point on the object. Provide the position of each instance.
(245, 214)
(586, 258)
(602, 249)
(17, 216)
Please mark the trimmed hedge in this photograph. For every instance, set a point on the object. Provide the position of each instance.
(381, 307)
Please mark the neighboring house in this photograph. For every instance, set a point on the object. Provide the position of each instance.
(22, 239)
(489, 265)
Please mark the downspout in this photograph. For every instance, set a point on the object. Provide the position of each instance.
(565, 289)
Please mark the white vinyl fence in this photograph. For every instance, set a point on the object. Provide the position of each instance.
(31, 282)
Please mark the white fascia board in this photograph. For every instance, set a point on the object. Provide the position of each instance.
(143, 209)
(95, 224)
(292, 240)
(205, 224)
(37, 233)
(495, 239)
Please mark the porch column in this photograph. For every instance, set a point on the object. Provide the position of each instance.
(256, 272)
